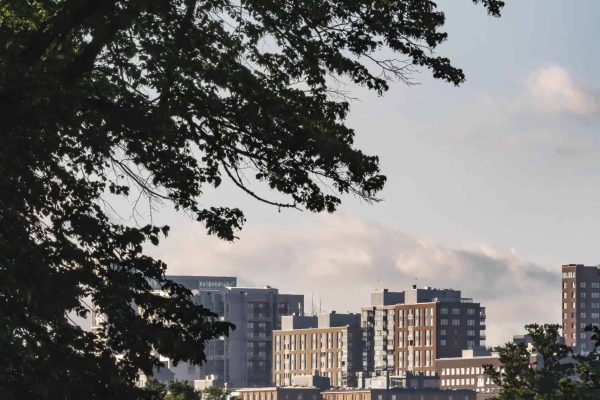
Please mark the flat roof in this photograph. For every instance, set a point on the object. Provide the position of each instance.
(277, 387)
(467, 358)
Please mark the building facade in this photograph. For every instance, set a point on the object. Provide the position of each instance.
(466, 372)
(280, 393)
(327, 345)
(580, 305)
(247, 357)
(410, 336)
(398, 394)
(244, 358)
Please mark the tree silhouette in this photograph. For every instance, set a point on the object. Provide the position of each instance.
(159, 101)
(548, 370)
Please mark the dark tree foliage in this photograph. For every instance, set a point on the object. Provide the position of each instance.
(155, 390)
(182, 390)
(546, 371)
(163, 99)
(215, 393)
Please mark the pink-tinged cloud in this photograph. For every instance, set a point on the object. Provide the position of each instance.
(553, 90)
(340, 259)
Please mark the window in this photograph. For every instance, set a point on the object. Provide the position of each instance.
(583, 335)
(455, 322)
(595, 285)
(471, 322)
(595, 295)
(444, 321)
(569, 274)
(443, 310)
(471, 311)
(582, 284)
(582, 295)
(595, 315)
(442, 342)
(565, 306)
(582, 315)
(582, 305)
(456, 311)
(595, 305)
(564, 295)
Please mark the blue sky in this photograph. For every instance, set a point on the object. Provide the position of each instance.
(494, 183)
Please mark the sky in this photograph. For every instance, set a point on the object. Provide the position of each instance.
(491, 186)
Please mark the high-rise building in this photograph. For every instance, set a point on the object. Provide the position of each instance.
(247, 352)
(580, 304)
(328, 345)
(428, 324)
(243, 359)
(206, 290)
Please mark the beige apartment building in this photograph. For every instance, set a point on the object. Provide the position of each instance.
(328, 345)
(580, 305)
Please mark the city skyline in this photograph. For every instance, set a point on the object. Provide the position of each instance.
(494, 180)
(308, 200)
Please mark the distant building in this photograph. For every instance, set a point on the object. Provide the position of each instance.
(398, 394)
(522, 339)
(410, 336)
(328, 345)
(466, 372)
(280, 393)
(245, 357)
(408, 380)
(580, 305)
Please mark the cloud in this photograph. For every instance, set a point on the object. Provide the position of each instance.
(550, 113)
(552, 90)
(339, 259)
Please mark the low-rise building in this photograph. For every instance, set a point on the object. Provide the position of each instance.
(398, 394)
(280, 393)
(466, 372)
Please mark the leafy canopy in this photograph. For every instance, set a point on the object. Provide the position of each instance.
(160, 100)
(183, 390)
(547, 370)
